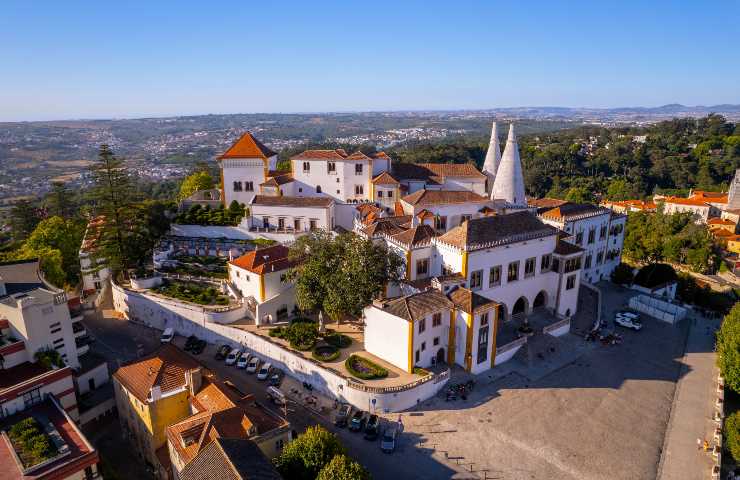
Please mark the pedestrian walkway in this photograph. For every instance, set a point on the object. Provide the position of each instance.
(693, 406)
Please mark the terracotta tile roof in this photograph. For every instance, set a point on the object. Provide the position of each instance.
(435, 171)
(711, 197)
(424, 214)
(337, 154)
(546, 202)
(380, 155)
(567, 248)
(247, 146)
(165, 367)
(289, 201)
(416, 236)
(442, 197)
(386, 226)
(92, 235)
(418, 305)
(358, 156)
(496, 230)
(279, 179)
(385, 178)
(631, 204)
(569, 209)
(720, 221)
(721, 232)
(469, 301)
(687, 201)
(230, 459)
(265, 260)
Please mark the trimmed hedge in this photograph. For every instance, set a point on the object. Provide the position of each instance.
(338, 340)
(333, 355)
(363, 368)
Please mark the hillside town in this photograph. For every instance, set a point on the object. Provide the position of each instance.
(208, 359)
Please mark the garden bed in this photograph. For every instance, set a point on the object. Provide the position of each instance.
(338, 340)
(31, 443)
(192, 292)
(301, 335)
(365, 369)
(325, 353)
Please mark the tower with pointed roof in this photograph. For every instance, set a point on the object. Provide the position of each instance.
(244, 166)
(493, 158)
(509, 183)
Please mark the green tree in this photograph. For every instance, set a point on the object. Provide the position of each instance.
(23, 219)
(304, 457)
(341, 275)
(113, 195)
(732, 434)
(579, 195)
(57, 234)
(342, 467)
(60, 202)
(728, 348)
(50, 262)
(622, 274)
(194, 182)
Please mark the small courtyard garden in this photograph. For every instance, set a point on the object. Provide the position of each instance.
(202, 294)
(365, 369)
(303, 334)
(31, 443)
(214, 267)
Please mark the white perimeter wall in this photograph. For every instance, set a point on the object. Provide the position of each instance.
(154, 313)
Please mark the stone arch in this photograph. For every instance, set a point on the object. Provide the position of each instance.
(540, 301)
(503, 312)
(521, 306)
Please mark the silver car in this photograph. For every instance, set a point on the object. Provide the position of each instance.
(388, 441)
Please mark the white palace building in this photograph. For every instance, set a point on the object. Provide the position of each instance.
(480, 259)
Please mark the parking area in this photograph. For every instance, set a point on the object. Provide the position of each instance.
(588, 411)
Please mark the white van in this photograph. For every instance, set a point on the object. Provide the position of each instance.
(167, 335)
(264, 371)
(277, 397)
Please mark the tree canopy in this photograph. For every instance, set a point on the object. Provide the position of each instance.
(728, 348)
(342, 467)
(341, 275)
(306, 456)
(200, 180)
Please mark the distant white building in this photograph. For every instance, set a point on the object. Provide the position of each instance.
(94, 269)
(290, 214)
(244, 167)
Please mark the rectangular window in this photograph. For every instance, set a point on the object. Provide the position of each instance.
(96, 274)
(545, 263)
(390, 193)
(265, 222)
(600, 258)
(592, 235)
(32, 397)
(435, 341)
(555, 265)
(494, 276)
(513, 273)
(587, 263)
(380, 193)
(306, 167)
(570, 283)
(440, 223)
(297, 224)
(58, 341)
(359, 189)
(318, 188)
(423, 346)
(237, 186)
(249, 186)
(422, 325)
(281, 224)
(436, 320)
(422, 267)
(572, 265)
(579, 238)
(529, 266)
(56, 330)
(312, 224)
(358, 169)
(476, 279)
(331, 167)
(602, 232)
(465, 218)
(417, 356)
(482, 355)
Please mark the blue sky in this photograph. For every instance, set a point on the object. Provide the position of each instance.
(98, 59)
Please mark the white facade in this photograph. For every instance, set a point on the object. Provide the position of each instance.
(241, 179)
(290, 214)
(344, 179)
(94, 272)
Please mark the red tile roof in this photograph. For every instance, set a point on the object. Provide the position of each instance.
(385, 178)
(442, 197)
(165, 368)
(290, 201)
(419, 235)
(247, 146)
(265, 260)
(337, 154)
(435, 172)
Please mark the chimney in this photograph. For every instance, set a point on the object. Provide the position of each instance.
(194, 380)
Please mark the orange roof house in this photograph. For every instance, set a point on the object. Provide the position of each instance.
(247, 146)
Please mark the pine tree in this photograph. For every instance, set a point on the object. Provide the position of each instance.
(23, 219)
(113, 195)
(60, 202)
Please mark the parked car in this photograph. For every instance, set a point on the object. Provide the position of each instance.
(264, 371)
(277, 397)
(358, 421)
(388, 442)
(191, 342)
(372, 428)
(277, 377)
(253, 364)
(628, 322)
(342, 415)
(628, 314)
(232, 356)
(200, 345)
(167, 335)
(241, 362)
(222, 351)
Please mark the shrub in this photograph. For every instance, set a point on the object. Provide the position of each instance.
(622, 274)
(732, 435)
(338, 340)
(325, 353)
(276, 332)
(33, 444)
(302, 335)
(656, 274)
(421, 371)
(364, 368)
(728, 348)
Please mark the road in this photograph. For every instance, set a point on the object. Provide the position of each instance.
(120, 341)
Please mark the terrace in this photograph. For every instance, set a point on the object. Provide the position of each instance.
(193, 292)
